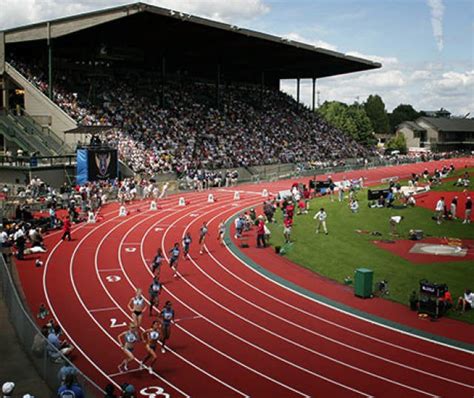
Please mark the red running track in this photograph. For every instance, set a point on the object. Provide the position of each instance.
(237, 333)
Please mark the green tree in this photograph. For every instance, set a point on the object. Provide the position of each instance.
(397, 143)
(364, 132)
(350, 119)
(375, 109)
(402, 113)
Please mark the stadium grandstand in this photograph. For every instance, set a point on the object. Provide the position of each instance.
(177, 92)
(155, 178)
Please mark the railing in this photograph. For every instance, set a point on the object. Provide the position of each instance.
(45, 358)
(37, 161)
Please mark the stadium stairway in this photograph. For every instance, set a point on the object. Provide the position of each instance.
(45, 134)
(27, 137)
(38, 105)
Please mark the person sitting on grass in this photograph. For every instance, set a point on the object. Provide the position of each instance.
(411, 201)
(379, 203)
(354, 206)
(466, 302)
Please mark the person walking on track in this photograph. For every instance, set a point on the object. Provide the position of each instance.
(186, 245)
(154, 291)
(127, 340)
(166, 316)
(221, 232)
(137, 305)
(202, 237)
(156, 263)
(174, 257)
(151, 338)
(66, 229)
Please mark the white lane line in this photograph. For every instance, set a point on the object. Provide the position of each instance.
(103, 309)
(128, 315)
(255, 324)
(335, 324)
(110, 270)
(291, 323)
(71, 276)
(350, 313)
(238, 337)
(125, 373)
(58, 321)
(213, 323)
(187, 318)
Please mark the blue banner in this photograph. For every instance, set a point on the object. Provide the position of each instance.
(82, 169)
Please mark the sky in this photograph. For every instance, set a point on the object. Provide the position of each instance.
(426, 47)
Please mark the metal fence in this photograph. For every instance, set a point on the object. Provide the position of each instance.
(45, 358)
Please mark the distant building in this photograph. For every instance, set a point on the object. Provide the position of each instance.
(438, 134)
(442, 113)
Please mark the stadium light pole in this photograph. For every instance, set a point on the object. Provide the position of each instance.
(314, 94)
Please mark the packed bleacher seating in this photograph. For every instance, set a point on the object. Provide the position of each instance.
(188, 132)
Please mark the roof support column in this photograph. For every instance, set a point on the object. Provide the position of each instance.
(3, 76)
(262, 87)
(5, 92)
(314, 95)
(50, 61)
(218, 83)
(163, 81)
(2, 53)
(298, 81)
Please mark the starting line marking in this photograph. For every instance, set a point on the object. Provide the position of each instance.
(104, 309)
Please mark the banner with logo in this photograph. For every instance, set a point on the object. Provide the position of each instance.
(96, 164)
(103, 164)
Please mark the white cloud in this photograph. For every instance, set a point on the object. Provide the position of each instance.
(437, 14)
(21, 12)
(453, 83)
(317, 43)
(419, 75)
(385, 61)
(426, 87)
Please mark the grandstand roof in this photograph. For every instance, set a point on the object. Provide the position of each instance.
(146, 33)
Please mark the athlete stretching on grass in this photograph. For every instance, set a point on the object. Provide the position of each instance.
(130, 337)
(151, 338)
(166, 316)
(137, 305)
(174, 252)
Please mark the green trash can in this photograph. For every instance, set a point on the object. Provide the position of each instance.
(363, 282)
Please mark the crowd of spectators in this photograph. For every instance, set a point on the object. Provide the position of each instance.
(188, 131)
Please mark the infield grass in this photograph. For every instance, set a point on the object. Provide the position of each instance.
(340, 253)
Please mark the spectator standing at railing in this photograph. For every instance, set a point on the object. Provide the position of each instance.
(7, 389)
(70, 388)
(66, 369)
